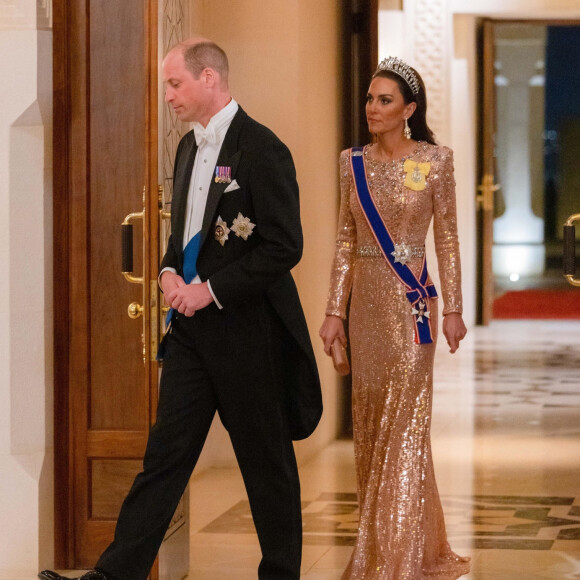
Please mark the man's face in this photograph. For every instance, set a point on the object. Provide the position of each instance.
(188, 96)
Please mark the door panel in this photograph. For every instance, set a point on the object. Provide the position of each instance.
(117, 143)
(117, 384)
(106, 152)
(487, 167)
(110, 483)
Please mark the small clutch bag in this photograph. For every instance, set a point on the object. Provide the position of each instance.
(339, 357)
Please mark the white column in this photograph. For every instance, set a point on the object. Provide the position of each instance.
(26, 287)
(429, 37)
(391, 34)
(518, 234)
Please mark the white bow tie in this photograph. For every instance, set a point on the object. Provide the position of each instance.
(205, 134)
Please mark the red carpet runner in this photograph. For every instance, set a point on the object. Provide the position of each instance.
(538, 304)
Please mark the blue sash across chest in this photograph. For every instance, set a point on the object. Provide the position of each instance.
(190, 253)
(418, 291)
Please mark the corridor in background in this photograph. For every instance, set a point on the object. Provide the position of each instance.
(537, 134)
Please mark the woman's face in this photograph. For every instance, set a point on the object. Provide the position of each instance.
(386, 109)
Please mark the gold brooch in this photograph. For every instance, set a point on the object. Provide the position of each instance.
(221, 231)
(416, 174)
(242, 226)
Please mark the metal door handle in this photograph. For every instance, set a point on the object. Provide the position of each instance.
(151, 312)
(164, 215)
(487, 189)
(570, 250)
(127, 247)
(134, 310)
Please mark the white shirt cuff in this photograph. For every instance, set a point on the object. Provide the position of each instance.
(214, 296)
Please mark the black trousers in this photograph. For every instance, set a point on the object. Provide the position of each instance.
(225, 362)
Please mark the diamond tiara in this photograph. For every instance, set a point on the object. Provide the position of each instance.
(402, 69)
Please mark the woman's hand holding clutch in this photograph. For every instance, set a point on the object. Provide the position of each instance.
(334, 339)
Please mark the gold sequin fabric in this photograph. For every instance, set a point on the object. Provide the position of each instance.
(401, 530)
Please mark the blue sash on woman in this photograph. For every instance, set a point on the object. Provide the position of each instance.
(418, 291)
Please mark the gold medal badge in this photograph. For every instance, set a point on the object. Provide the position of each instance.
(221, 231)
(416, 174)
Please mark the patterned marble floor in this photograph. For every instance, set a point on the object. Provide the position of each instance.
(506, 443)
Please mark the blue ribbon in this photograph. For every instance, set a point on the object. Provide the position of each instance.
(417, 289)
(190, 253)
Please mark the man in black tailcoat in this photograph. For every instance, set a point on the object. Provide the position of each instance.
(238, 342)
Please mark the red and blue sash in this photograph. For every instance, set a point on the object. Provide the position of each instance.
(418, 291)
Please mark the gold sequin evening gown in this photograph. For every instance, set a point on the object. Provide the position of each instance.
(401, 530)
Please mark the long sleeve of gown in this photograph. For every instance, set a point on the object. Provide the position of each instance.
(344, 254)
(445, 232)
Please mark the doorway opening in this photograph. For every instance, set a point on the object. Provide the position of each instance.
(537, 143)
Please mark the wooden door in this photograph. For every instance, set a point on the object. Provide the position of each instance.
(105, 167)
(487, 170)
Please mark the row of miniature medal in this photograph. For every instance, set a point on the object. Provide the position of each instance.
(223, 174)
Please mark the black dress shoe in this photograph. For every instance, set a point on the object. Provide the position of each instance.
(50, 575)
(90, 575)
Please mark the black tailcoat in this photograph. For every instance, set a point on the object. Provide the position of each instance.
(256, 269)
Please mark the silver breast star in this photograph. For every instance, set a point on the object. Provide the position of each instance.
(402, 253)
(242, 226)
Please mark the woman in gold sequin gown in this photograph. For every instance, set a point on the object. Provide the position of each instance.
(402, 530)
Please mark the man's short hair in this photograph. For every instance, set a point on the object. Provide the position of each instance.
(203, 55)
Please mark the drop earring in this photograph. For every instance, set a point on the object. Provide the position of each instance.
(407, 130)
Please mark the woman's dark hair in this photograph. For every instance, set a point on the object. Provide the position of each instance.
(418, 120)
